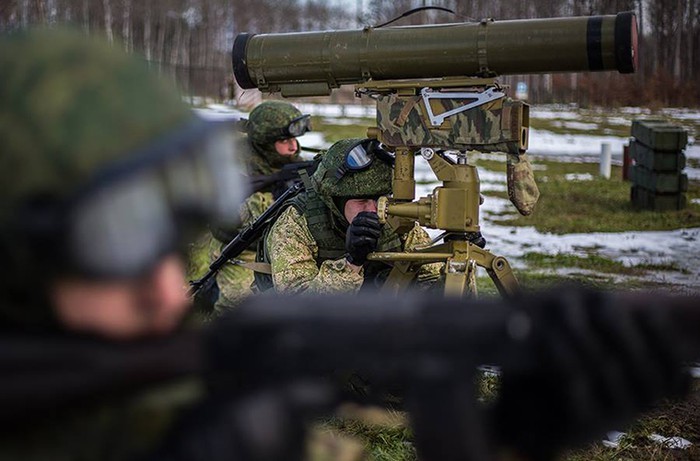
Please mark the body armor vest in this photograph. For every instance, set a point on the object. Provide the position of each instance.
(329, 238)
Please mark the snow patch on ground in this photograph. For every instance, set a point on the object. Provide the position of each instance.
(579, 177)
(344, 121)
(220, 112)
(339, 110)
(313, 139)
(554, 113)
(679, 443)
(547, 143)
(578, 125)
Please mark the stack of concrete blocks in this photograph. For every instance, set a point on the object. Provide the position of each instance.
(658, 182)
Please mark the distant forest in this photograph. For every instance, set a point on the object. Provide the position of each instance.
(191, 40)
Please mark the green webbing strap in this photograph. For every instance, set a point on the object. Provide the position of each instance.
(306, 180)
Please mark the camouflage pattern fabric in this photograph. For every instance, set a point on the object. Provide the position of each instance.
(73, 98)
(293, 254)
(235, 281)
(492, 127)
(254, 206)
(428, 273)
(522, 188)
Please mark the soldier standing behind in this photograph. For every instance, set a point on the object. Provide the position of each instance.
(270, 144)
(320, 242)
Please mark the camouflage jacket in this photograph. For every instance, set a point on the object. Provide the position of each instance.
(293, 253)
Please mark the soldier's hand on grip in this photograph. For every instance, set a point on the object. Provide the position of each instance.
(362, 237)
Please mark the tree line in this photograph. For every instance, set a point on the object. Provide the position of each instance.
(191, 39)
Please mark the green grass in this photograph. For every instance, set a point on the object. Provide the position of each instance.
(598, 205)
(537, 279)
(592, 262)
(561, 127)
(334, 132)
(387, 440)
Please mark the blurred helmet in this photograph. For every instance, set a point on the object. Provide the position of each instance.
(101, 161)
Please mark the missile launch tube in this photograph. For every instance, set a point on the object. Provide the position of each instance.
(488, 48)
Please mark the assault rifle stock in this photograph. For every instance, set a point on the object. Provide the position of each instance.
(289, 172)
(425, 349)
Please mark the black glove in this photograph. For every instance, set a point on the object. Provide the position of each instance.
(362, 237)
(598, 366)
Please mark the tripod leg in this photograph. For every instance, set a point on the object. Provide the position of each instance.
(400, 277)
(498, 269)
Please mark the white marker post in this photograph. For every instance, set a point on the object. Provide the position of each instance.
(605, 160)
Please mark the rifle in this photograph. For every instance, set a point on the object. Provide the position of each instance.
(244, 238)
(289, 172)
(292, 350)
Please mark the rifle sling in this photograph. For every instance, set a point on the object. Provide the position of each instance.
(263, 268)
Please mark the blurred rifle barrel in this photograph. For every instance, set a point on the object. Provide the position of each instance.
(312, 63)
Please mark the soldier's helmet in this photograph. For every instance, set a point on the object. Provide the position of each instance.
(102, 163)
(353, 168)
(271, 121)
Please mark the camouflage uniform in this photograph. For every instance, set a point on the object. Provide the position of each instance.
(294, 252)
(305, 245)
(262, 159)
(68, 106)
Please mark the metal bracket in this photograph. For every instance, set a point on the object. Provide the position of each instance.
(479, 98)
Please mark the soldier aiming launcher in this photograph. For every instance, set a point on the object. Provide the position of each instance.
(436, 92)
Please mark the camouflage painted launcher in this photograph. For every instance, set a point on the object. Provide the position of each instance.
(312, 63)
(449, 113)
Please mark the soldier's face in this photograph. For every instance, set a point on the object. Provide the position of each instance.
(356, 205)
(151, 305)
(286, 147)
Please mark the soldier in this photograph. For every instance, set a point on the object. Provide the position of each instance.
(271, 143)
(320, 242)
(99, 187)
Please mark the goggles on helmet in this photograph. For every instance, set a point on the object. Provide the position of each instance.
(361, 156)
(136, 211)
(295, 128)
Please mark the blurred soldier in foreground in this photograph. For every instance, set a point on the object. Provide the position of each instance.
(104, 172)
(271, 144)
(320, 242)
